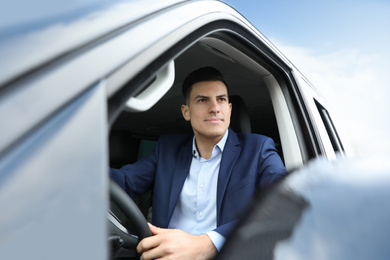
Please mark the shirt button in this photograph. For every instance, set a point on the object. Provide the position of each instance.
(200, 214)
(201, 186)
(207, 163)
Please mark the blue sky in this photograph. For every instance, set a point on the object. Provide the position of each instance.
(343, 48)
(325, 24)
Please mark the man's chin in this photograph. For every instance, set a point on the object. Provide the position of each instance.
(214, 134)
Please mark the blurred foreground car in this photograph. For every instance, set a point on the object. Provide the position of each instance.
(321, 211)
(87, 85)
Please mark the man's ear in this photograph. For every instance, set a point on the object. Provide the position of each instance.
(186, 112)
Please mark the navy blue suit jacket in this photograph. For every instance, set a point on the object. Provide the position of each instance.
(249, 162)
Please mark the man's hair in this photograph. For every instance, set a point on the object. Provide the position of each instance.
(200, 75)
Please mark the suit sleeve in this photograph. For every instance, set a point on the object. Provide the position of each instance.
(226, 229)
(270, 169)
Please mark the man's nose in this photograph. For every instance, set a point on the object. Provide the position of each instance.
(214, 107)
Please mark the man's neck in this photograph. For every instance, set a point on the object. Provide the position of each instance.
(205, 145)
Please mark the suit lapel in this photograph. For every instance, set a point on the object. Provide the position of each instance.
(181, 172)
(229, 157)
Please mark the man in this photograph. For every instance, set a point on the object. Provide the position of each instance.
(201, 181)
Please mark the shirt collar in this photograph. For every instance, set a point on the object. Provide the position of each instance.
(220, 145)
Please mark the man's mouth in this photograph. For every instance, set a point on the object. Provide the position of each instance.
(213, 119)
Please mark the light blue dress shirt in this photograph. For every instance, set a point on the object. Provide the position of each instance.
(196, 209)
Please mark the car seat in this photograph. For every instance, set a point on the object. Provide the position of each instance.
(239, 120)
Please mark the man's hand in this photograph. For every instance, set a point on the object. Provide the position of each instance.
(175, 244)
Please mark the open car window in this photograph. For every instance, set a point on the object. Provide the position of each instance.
(250, 76)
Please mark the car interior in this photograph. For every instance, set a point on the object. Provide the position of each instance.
(258, 105)
(260, 102)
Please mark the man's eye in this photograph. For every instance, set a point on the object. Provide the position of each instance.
(222, 99)
(201, 100)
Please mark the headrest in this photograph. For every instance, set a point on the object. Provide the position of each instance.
(239, 120)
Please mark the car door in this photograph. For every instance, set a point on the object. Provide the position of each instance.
(52, 172)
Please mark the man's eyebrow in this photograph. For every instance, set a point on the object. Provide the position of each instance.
(203, 96)
(223, 95)
(200, 96)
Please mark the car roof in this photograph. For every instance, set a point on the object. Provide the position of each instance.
(43, 31)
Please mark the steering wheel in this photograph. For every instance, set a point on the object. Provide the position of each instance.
(120, 237)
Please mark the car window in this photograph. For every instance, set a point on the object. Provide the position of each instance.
(249, 77)
(254, 71)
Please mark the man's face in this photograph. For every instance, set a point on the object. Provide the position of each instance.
(208, 109)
